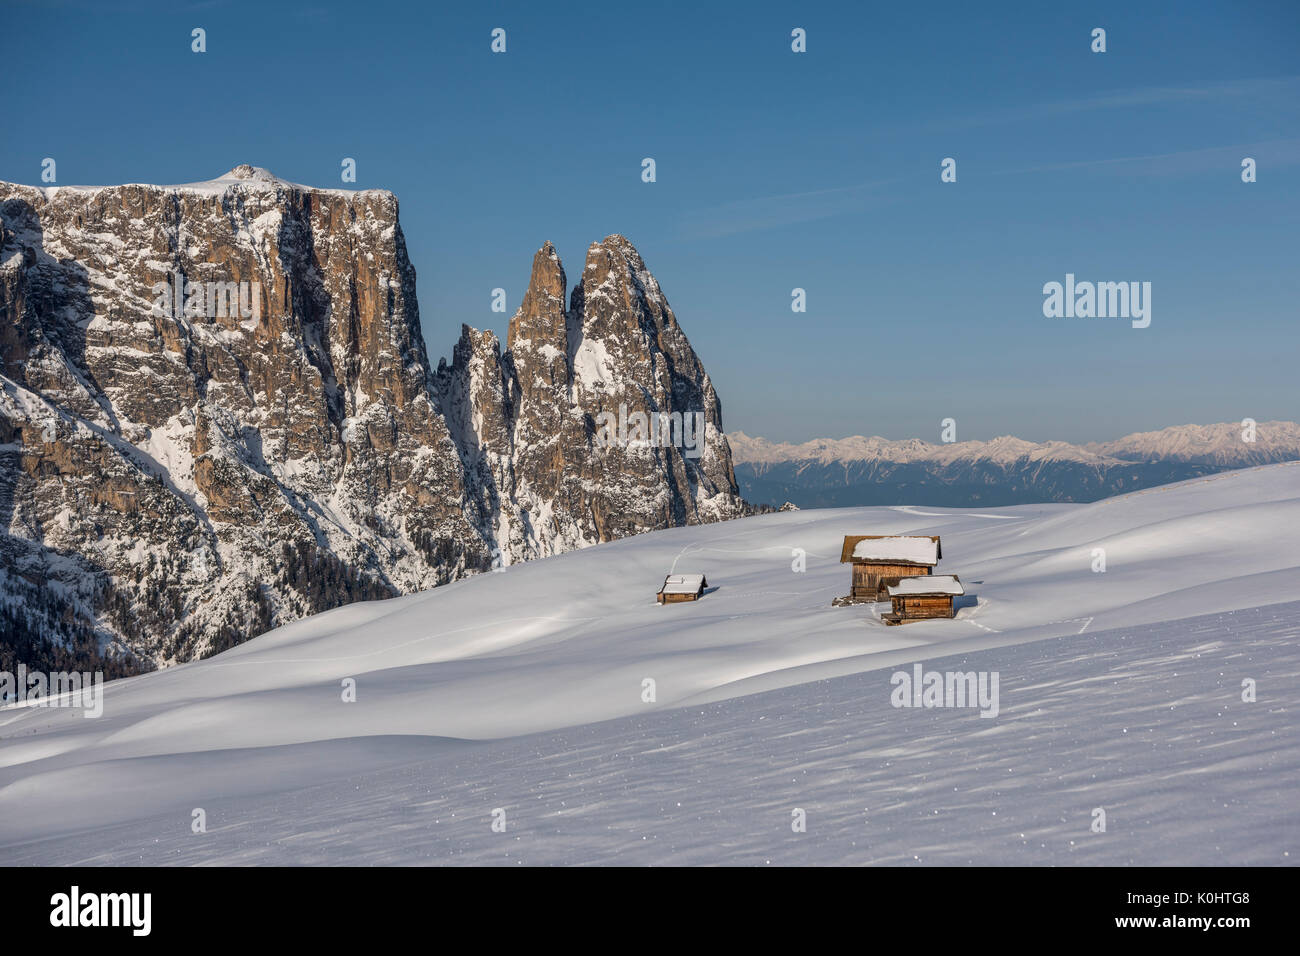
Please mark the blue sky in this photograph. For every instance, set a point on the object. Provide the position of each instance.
(775, 170)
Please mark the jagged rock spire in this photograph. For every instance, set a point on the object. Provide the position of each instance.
(616, 353)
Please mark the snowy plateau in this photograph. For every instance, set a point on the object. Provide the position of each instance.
(520, 698)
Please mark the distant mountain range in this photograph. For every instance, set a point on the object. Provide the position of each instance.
(827, 472)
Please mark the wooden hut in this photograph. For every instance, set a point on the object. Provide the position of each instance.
(881, 560)
(682, 587)
(918, 598)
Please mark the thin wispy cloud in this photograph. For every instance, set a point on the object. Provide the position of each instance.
(1284, 89)
(766, 212)
(769, 212)
(1277, 153)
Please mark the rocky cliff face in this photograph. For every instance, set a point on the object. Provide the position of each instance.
(550, 431)
(217, 414)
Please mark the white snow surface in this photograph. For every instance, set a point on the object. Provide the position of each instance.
(592, 366)
(524, 690)
(911, 549)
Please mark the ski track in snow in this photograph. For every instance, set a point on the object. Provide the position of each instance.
(912, 510)
(522, 690)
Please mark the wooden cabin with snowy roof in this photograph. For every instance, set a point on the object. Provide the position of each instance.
(919, 598)
(882, 560)
(682, 587)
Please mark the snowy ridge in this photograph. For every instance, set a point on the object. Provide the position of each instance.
(1275, 441)
(241, 177)
(1002, 471)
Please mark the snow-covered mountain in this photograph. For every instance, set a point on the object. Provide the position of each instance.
(217, 414)
(1121, 689)
(853, 471)
(1221, 445)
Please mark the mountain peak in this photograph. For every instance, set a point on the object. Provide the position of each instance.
(245, 171)
(540, 321)
(530, 419)
(616, 240)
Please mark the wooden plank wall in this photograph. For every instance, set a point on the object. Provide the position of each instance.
(868, 579)
(913, 608)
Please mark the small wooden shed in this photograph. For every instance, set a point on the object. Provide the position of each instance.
(881, 560)
(921, 597)
(682, 587)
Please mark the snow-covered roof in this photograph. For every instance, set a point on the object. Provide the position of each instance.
(928, 584)
(899, 549)
(683, 584)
